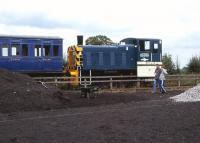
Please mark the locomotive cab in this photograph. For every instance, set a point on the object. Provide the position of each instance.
(149, 54)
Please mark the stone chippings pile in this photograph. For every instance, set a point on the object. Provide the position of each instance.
(190, 95)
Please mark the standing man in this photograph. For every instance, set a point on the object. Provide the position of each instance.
(156, 79)
(162, 79)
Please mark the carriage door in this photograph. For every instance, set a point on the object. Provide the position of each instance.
(15, 59)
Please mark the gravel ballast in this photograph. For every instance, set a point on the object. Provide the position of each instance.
(190, 95)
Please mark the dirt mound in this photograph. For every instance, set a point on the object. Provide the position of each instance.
(19, 92)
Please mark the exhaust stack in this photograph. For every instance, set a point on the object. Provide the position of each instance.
(80, 40)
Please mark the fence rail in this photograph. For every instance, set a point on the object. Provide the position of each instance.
(111, 82)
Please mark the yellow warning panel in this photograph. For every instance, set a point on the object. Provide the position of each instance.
(75, 61)
(75, 77)
(75, 57)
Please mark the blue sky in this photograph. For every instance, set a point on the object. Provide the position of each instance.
(176, 22)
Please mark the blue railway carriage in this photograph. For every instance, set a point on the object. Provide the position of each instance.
(31, 54)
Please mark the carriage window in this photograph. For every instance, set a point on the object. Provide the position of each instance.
(144, 45)
(24, 49)
(55, 50)
(46, 50)
(5, 50)
(15, 49)
(37, 50)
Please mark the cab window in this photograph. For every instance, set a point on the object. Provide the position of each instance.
(144, 45)
(155, 47)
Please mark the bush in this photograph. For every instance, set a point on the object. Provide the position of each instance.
(194, 65)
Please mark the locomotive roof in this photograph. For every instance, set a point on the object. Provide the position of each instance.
(138, 39)
(91, 46)
(106, 46)
(30, 37)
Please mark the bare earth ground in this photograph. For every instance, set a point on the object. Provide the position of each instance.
(109, 118)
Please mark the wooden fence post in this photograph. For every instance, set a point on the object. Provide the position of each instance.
(111, 84)
(85, 83)
(138, 83)
(179, 81)
(56, 80)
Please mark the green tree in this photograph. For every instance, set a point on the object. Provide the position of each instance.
(99, 40)
(169, 64)
(184, 70)
(194, 65)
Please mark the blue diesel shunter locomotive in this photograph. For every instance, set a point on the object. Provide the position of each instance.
(123, 56)
(31, 54)
(131, 56)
